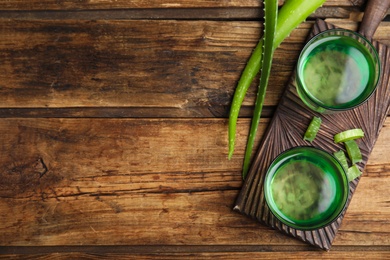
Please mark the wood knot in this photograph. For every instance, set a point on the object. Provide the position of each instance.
(21, 177)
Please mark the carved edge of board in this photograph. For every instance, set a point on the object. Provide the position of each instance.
(286, 130)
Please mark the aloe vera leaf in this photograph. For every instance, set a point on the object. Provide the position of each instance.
(249, 73)
(270, 20)
(292, 13)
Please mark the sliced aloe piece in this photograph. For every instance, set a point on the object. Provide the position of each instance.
(340, 155)
(312, 129)
(353, 172)
(347, 135)
(353, 151)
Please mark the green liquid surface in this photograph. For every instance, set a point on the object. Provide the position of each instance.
(307, 190)
(338, 72)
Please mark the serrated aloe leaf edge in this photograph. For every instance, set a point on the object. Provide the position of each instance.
(270, 20)
(291, 14)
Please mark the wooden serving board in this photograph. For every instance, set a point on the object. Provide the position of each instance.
(286, 130)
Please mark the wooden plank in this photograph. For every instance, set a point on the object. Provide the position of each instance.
(123, 63)
(352, 254)
(209, 13)
(381, 35)
(179, 68)
(149, 182)
(124, 4)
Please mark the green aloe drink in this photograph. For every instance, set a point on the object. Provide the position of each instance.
(337, 70)
(306, 188)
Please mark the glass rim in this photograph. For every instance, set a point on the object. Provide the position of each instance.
(373, 53)
(320, 224)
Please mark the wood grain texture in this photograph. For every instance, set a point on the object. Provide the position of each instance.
(113, 132)
(189, 66)
(168, 68)
(181, 13)
(144, 177)
(124, 4)
(286, 130)
(137, 182)
(211, 255)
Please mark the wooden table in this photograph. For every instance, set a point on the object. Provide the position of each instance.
(114, 132)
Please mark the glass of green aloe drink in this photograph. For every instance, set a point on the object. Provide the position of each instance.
(337, 70)
(306, 188)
